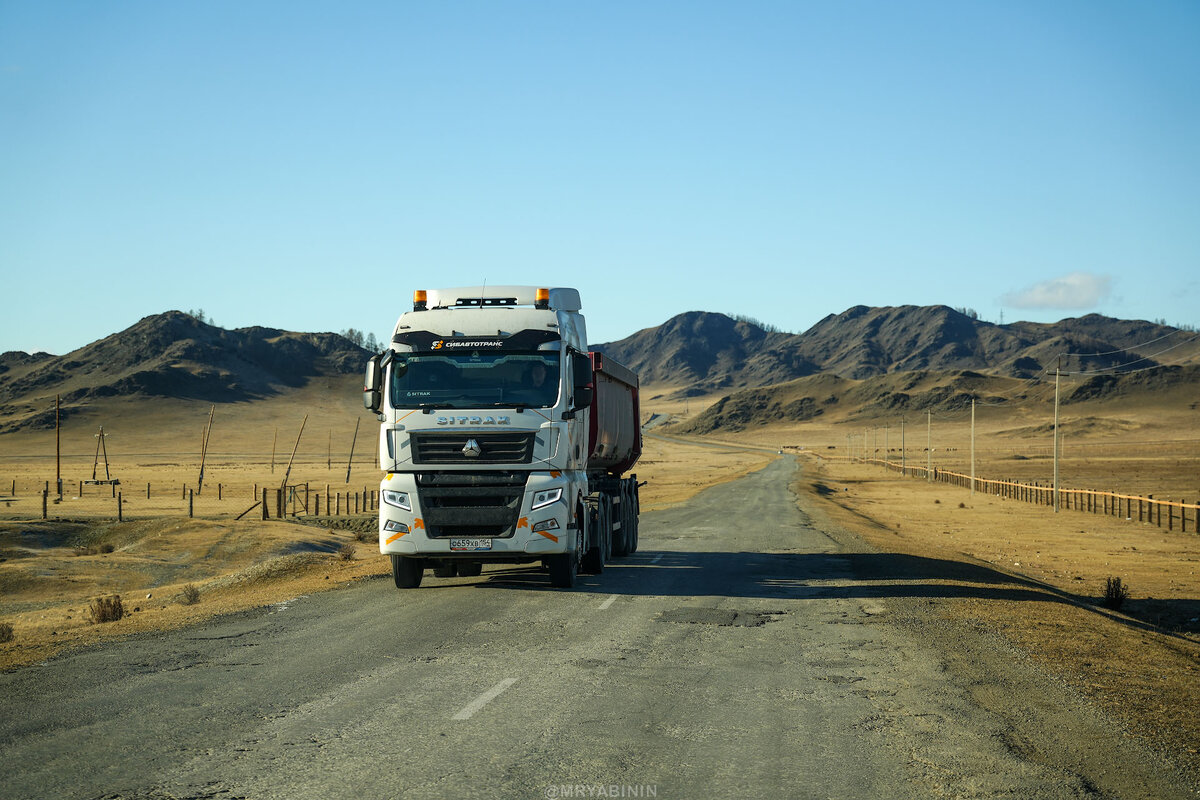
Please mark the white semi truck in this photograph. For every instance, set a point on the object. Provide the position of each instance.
(502, 439)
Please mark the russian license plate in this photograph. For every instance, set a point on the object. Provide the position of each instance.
(470, 544)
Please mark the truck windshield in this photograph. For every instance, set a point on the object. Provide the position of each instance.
(474, 380)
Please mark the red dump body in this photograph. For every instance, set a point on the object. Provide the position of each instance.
(615, 430)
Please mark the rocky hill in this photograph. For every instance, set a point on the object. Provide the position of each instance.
(169, 355)
(835, 398)
(708, 352)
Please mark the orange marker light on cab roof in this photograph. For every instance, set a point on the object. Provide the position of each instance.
(420, 299)
(542, 298)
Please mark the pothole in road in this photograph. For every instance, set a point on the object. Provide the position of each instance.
(722, 617)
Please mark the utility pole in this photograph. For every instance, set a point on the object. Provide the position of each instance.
(274, 441)
(204, 448)
(886, 449)
(972, 445)
(1057, 370)
(57, 447)
(354, 441)
(287, 474)
(903, 452)
(928, 446)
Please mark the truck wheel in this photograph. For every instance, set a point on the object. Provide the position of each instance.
(593, 559)
(470, 569)
(407, 572)
(620, 539)
(565, 567)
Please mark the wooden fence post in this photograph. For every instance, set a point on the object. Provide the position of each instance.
(191, 503)
(265, 514)
(45, 494)
(120, 504)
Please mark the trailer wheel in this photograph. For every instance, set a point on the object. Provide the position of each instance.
(634, 512)
(620, 538)
(623, 539)
(470, 569)
(407, 572)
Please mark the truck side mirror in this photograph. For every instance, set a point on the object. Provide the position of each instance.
(583, 397)
(373, 385)
(581, 379)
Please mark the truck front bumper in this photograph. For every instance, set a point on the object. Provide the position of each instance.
(415, 520)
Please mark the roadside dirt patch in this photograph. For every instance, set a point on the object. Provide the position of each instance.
(63, 567)
(1141, 664)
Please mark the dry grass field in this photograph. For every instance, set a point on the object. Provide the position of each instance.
(1043, 587)
(1020, 570)
(52, 571)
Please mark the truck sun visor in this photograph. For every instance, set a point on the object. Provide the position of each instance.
(427, 342)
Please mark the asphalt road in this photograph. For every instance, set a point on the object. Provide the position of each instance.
(740, 653)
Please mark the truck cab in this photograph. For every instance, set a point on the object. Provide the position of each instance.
(484, 397)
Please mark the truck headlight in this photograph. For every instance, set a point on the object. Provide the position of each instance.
(397, 499)
(545, 497)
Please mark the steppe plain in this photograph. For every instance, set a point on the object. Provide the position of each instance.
(1140, 664)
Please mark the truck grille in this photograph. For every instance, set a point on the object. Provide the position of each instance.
(510, 447)
(470, 504)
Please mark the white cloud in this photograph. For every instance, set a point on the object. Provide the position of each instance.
(1077, 291)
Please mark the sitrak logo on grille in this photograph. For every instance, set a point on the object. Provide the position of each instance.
(483, 447)
(473, 421)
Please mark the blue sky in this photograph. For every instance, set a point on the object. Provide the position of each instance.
(307, 165)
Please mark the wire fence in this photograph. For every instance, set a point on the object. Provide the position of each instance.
(113, 500)
(1164, 513)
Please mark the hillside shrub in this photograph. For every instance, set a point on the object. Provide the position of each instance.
(106, 609)
(1115, 593)
(346, 552)
(6, 632)
(190, 595)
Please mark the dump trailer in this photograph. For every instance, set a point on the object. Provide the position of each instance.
(502, 438)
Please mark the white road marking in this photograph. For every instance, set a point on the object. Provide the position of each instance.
(608, 602)
(485, 698)
(656, 559)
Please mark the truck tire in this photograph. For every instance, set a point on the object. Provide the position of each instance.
(407, 572)
(620, 538)
(623, 539)
(470, 569)
(564, 568)
(599, 518)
